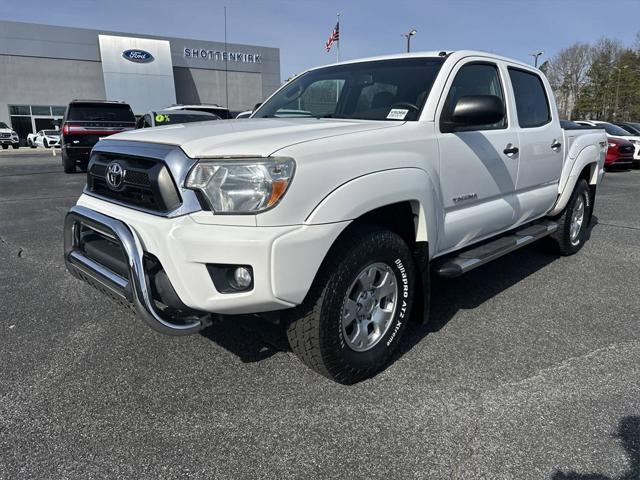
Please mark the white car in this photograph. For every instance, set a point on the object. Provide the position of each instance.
(44, 138)
(245, 114)
(221, 112)
(8, 137)
(410, 165)
(616, 132)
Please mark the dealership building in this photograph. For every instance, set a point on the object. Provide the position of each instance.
(44, 67)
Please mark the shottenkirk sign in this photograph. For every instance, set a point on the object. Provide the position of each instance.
(222, 56)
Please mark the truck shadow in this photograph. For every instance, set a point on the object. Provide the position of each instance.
(449, 296)
(629, 436)
(254, 339)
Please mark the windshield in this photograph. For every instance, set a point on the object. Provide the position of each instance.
(51, 132)
(612, 129)
(3, 125)
(173, 117)
(378, 90)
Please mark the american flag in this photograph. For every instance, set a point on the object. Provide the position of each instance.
(334, 37)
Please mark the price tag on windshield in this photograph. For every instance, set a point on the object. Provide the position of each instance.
(397, 114)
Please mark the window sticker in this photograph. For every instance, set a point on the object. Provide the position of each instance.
(160, 118)
(397, 114)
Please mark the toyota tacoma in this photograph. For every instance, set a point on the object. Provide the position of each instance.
(332, 221)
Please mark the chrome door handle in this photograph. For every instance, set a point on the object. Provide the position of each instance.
(556, 145)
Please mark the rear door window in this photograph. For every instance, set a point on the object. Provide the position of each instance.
(532, 104)
(100, 112)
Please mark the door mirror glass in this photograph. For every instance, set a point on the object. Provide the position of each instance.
(473, 111)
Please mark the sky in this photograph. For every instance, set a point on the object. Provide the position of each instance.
(513, 28)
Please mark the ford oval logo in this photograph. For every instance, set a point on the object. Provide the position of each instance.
(138, 56)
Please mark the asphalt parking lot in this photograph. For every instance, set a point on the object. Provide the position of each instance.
(530, 368)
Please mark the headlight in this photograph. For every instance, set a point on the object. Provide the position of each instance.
(242, 186)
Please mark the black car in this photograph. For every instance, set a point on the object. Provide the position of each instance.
(632, 127)
(87, 121)
(159, 118)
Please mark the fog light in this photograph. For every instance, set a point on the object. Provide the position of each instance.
(242, 278)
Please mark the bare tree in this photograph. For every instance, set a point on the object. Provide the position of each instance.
(568, 74)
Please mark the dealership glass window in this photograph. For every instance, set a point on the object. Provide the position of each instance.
(22, 126)
(19, 110)
(41, 110)
(57, 111)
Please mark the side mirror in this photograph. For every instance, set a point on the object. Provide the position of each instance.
(474, 111)
(257, 106)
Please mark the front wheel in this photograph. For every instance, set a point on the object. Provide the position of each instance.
(4, 147)
(574, 221)
(45, 143)
(16, 146)
(358, 306)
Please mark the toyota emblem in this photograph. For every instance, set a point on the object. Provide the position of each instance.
(115, 175)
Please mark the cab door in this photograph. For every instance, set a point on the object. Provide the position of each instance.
(478, 166)
(540, 143)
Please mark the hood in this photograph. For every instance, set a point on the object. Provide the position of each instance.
(6, 130)
(248, 137)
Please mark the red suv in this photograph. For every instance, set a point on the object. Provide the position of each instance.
(85, 122)
(619, 153)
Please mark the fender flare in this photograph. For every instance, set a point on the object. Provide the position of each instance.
(588, 156)
(353, 199)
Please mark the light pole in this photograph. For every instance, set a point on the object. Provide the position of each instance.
(535, 56)
(615, 107)
(409, 35)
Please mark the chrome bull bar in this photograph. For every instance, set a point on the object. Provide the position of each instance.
(132, 291)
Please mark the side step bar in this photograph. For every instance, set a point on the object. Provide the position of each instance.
(470, 259)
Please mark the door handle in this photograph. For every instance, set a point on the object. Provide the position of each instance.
(556, 145)
(511, 149)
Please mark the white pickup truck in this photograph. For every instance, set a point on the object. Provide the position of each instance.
(395, 169)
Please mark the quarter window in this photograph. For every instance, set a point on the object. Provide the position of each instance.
(475, 79)
(532, 104)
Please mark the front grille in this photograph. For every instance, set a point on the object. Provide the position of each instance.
(5, 135)
(626, 149)
(146, 183)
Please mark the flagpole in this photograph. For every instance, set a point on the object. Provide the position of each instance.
(338, 46)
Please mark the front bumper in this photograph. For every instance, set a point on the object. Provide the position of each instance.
(134, 289)
(9, 141)
(284, 259)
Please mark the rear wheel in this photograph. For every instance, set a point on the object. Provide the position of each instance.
(573, 222)
(358, 307)
(68, 164)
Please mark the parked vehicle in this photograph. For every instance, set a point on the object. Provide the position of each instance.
(634, 129)
(8, 137)
(420, 163)
(221, 112)
(618, 133)
(619, 153)
(84, 123)
(172, 117)
(44, 138)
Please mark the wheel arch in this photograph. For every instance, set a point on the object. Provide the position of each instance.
(404, 202)
(585, 166)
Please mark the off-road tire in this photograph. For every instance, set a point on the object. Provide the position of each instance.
(314, 329)
(68, 164)
(560, 241)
